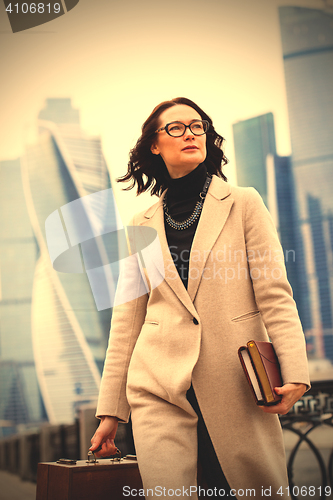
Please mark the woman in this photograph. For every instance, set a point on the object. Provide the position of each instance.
(172, 358)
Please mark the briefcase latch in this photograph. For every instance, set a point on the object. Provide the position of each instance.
(117, 457)
(91, 458)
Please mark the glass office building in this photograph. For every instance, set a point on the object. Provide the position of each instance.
(307, 42)
(254, 139)
(283, 207)
(20, 399)
(53, 335)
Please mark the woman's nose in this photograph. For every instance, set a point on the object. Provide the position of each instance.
(188, 134)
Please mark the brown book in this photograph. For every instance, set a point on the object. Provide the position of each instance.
(262, 371)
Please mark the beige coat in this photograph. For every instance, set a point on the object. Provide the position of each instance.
(237, 291)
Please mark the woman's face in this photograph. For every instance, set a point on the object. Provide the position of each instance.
(183, 154)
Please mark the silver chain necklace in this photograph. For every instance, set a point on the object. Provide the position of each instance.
(195, 214)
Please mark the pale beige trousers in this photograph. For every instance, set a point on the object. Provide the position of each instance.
(165, 437)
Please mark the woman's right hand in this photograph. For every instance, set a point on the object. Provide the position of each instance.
(104, 436)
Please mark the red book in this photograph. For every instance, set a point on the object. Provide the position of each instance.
(262, 371)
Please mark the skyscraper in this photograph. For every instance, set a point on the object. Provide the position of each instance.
(307, 42)
(20, 400)
(283, 207)
(254, 139)
(51, 324)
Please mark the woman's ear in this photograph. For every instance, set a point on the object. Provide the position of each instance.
(154, 149)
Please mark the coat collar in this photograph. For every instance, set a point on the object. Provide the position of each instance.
(214, 214)
(218, 188)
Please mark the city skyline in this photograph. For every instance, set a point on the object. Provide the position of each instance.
(116, 69)
(60, 332)
(109, 114)
(297, 189)
(114, 63)
(307, 42)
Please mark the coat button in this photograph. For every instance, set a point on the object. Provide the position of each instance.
(195, 321)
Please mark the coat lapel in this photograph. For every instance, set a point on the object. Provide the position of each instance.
(213, 217)
(214, 214)
(154, 217)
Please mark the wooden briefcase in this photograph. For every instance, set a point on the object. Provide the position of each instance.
(105, 479)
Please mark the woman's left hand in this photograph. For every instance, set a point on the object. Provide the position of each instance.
(290, 394)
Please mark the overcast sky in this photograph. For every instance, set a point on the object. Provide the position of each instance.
(117, 60)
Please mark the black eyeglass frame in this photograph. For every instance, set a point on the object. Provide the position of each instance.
(166, 127)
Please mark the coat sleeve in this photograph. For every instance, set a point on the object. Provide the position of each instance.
(127, 319)
(272, 290)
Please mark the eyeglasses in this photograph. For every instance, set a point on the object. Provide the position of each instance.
(177, 129)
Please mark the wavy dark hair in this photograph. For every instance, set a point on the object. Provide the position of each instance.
(149, 171)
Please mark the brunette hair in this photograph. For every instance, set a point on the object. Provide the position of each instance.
(149, 171)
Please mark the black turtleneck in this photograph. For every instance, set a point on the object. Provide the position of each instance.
(182, 195)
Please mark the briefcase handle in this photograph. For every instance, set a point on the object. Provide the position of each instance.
(92, 459)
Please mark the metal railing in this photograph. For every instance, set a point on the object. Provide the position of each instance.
(312, 412)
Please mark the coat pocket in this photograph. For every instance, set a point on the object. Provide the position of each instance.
(248, 315)
(151, 322)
